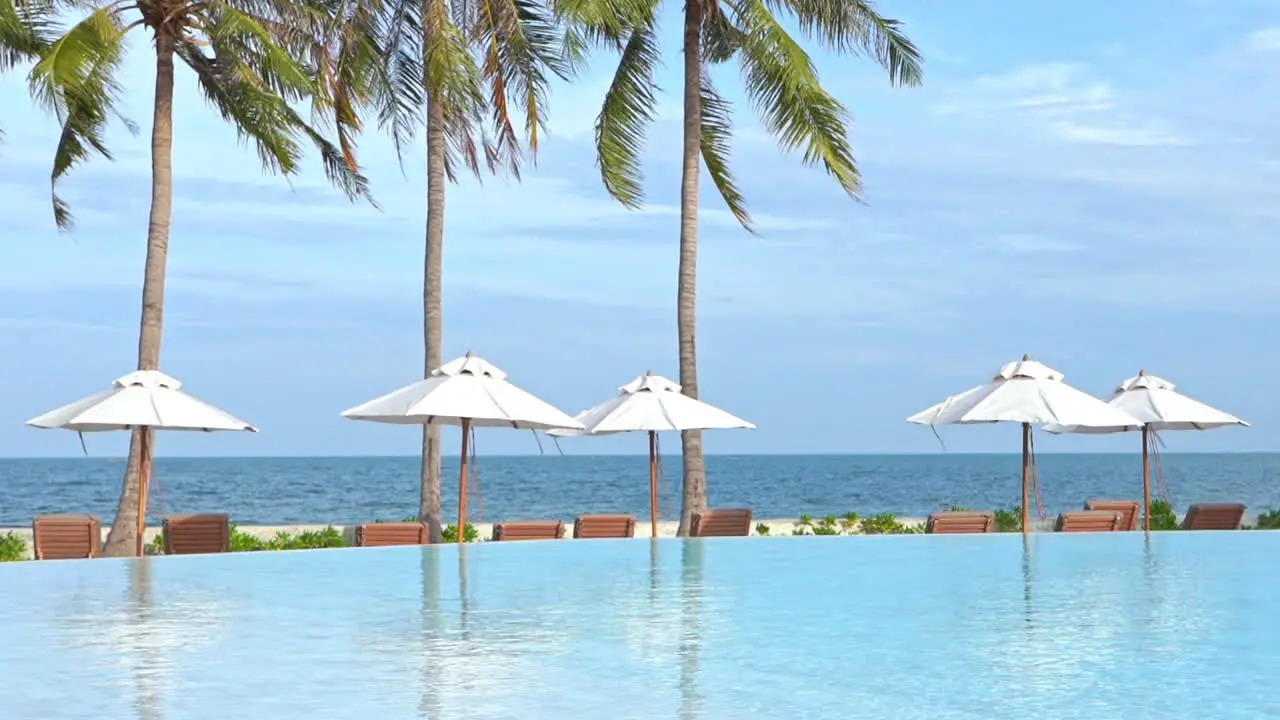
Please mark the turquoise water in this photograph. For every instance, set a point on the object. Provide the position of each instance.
(981, 628)
(272, 491)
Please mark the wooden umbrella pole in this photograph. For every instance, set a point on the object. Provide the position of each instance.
(144, 483)
(653, 483)
(1026, 478)
(1146, 479)
(462, 482)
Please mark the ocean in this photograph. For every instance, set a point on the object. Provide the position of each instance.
(346, 490)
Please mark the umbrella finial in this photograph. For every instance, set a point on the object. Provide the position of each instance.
(1026, 357)
(469, 353)
(1142, 372)
(648, 373)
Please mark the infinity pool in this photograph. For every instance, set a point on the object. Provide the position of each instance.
(1080, 626)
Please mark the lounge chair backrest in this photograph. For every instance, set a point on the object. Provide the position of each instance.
(956, 522)
(529, 530)
(396, 533)
(197, 534)
(66, 537)
(1214, 516)
(1128, 510)
(604, 526)
(1088, 521)
(724, 522)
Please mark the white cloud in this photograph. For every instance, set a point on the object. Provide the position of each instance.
(1063, 99)
(1265, 40)
(1137, 136)
(1028, 244)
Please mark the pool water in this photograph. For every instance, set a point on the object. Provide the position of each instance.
(981, 627)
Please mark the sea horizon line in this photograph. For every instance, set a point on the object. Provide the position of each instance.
(118, 458)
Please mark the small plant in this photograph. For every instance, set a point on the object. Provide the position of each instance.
(1269, 520)
(887, 524)
(957, 508)
(449, 533)
(827, 526)
(803, 526)
(1163, 518)
(850, 523)
(762, 528)
(12, 548)
(1009, 521)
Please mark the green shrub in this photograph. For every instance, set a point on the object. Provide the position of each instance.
(449, 533)
(1009, 521)
(803, 526)
(1162, 516)
(762, 528)
(1269, 520)
(887, 524)
(241, 541)
(12, 548)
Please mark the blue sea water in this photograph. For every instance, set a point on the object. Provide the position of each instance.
(269, 491)
(1088, 626)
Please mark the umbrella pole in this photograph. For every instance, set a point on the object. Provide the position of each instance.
(1026, 478)
(1146, 479)
(462, 481)
(653, 483)
(144, 482)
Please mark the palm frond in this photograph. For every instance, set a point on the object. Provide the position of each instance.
(783, 86)
(607, 22)
(854, 26)
(452, 78)
(629, 107)
(717, 131)
(75, 80)
(398, 94)
(27, 28)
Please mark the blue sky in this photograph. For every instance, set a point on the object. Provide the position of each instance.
(1094, 183)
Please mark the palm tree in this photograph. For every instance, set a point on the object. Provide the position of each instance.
(244, 57)
(453, 62)
(783, 87)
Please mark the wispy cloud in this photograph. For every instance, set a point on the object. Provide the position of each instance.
(1065, 99)
(1265, 40)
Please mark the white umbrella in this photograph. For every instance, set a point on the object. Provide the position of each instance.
(143, 399)
(469, 392)
(1025, 392)
(652, 404)
(1155, 406)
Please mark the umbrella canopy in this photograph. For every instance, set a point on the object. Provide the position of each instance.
(144, 398)
(1155, 403)
(1023, 391)
(651, 403)
(466, 389)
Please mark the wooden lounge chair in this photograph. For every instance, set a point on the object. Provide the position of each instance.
(396, 533)
(728, 522)
(957, 522)
(1088, 521)
(66, 537)
(1128, 510)
(1213, 516)
(197, 534)
(529, 530)
(604, 526)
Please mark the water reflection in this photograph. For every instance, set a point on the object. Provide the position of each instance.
(430, 704)
(146, 635)
(692, 557)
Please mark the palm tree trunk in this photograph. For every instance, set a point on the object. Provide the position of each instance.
(123, 538)
(695, 475)
(433, 311)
